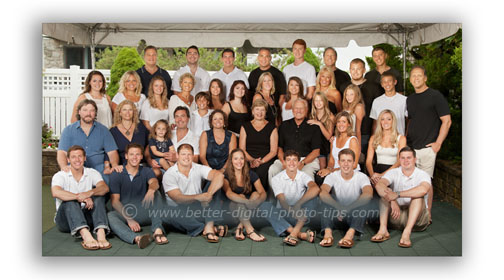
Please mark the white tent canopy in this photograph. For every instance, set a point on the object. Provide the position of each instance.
(273, 35)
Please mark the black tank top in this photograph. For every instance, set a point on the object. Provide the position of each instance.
(258, 142)
(236, 120)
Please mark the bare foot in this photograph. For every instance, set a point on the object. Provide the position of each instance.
(102, 241)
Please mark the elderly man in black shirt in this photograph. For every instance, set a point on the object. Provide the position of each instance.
(296, 134)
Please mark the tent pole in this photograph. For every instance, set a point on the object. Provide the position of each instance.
(405, 50)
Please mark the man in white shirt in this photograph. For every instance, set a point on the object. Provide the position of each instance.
(301, 69)
(345, 192)
(296, 193)
(76, 200)
(403, 203)
(391, 100)
(201, 77)
(182, 134)
(229, 72)
(183, 186)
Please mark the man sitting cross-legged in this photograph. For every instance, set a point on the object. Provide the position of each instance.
(183, 186)
(78, 204)
(344, 193)
(296, 193)
(135, 198)
(403, 203)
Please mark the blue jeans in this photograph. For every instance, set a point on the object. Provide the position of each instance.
(143, 216)
(191, 218)
(71, 218)
(355, 218)
(280, 220)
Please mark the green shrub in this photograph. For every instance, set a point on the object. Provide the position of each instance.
(309, 57)
(127, 59)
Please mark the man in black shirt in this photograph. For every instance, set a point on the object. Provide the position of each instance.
(429, 122)
(264, 60)
(330, 58)
(296, 134)
(380, 58)
(150, 69)
(369, 91)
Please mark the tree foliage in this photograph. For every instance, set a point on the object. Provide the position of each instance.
(127, 59)
(309, 57)
(443, 64)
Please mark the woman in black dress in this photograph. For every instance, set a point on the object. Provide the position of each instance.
(259, 140)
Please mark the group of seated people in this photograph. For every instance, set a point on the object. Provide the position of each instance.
(296, 152)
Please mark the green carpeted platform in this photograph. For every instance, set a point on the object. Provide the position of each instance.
(442, 238)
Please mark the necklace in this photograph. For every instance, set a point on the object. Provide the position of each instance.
(127, 130)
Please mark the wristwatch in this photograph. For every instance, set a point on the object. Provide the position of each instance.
(398, 194)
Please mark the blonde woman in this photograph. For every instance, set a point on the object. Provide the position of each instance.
(94, 89)
(321, 115)
(127, 129)
(156, 106)
(130, 88)
(345, 138)
(266, 90)
(386, 142)
(326, 83)
(183, 98)
(354, 106)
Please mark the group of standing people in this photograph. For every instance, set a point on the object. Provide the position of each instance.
(293, 141)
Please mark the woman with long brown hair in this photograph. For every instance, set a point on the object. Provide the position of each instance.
(156, 106)
(94, 89)
(243, 187)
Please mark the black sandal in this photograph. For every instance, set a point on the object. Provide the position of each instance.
(239, 231)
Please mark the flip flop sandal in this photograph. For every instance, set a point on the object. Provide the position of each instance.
(260, 235)
(106, 247)
(404, 245)
(309, 235)
(83, 244)
(346, 243)
(220, 228)
(240, 232)
(328, 244)
(159, 235)
(144, 241)
(291, 240)
(210, 240)
(379, 240)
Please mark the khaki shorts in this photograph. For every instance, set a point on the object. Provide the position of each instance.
(426, 160)
(421, 223)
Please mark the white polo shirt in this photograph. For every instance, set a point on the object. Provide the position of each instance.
(198, 123)
(201, 80)
(66, 181)
(228, 79)
(304, 71)
(293, 190)
(400, 182)
(174, 179)
(396, 104)
(347, 191)
(190, 138)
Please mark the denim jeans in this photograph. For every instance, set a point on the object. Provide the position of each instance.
(71, 218)
(354, 218)
(191, 218)
(143, 216)
(280, 220)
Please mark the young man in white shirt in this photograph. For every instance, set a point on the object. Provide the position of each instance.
(404, 194)
(296, 193)
(201, 77)
(183, 186)
(351, 191)
(391, 100)
(229, 72)
(301, 69)
(76, 199)
(182, 134)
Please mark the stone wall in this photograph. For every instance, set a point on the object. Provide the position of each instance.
(49, 166)
(53, 53)
(448, 182)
